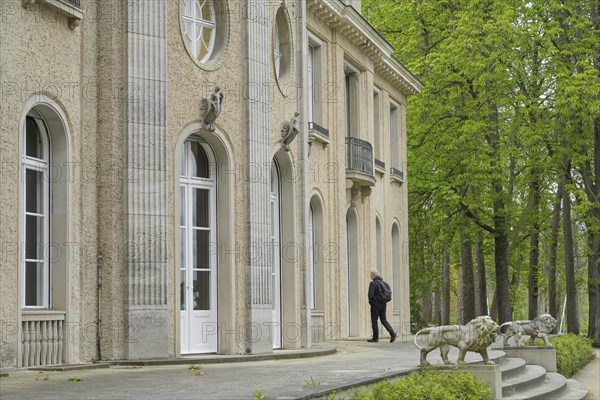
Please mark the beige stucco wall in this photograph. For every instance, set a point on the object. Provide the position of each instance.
(388, 198)
(43, 59)
(85, 72)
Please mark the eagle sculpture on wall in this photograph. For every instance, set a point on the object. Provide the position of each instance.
(289, 130)
(210, 109)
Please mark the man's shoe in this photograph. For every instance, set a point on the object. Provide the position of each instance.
(393, 338)
(373, 340)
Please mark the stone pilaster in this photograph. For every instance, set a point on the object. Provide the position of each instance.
(258, 267)
(146, 179)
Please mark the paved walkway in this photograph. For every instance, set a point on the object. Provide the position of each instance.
(590, 377)
(283, 378)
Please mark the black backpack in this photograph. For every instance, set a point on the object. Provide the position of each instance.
(385, 293)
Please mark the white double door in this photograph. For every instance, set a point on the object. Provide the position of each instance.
(198, 267)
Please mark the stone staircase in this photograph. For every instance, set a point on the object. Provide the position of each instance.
(529, 381)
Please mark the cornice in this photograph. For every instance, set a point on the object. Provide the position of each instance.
(355, 28)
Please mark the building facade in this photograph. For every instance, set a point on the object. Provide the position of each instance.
(196, 176)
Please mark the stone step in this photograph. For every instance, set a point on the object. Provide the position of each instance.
(512, 367)
(551, 388)
(573, 391)
(530, 377)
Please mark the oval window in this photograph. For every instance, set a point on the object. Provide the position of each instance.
(205, 30)
(282, 48)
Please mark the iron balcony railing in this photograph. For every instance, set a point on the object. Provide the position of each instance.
(397, 173)
(359, 156)
(313, 126)
(380, 164)
(74, 3)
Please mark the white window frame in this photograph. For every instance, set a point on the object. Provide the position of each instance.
(315, 73)
(377, 123)
(352, 98)
(198, 24)
(312, 259)
(39, 165)
(394, 112)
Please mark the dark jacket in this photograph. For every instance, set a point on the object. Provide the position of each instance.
(374, 288)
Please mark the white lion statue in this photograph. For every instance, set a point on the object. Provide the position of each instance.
(539, 327)
(476, 336)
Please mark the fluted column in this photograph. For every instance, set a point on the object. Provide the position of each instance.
(258, 268)
(146, 179)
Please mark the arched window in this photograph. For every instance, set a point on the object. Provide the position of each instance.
(379, 244)
(276, 253)
(396, 284)
(36, 214)
(198, 253)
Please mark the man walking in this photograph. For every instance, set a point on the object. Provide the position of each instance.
(378, 307)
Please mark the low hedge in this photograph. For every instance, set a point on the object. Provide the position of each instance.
(429, 385)
(572, 353)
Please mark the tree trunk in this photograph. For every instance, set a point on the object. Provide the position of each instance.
(481, 307)
(437, 308)
(534, 244)
(593, 226)
(494, 308)
(466, 285)
(533, 282)
(500, 227)
(572, 317)
(446, 288)
(594, 284)
(594, 234)
(552, 300)
(501, 261)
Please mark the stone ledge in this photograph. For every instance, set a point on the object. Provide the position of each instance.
(68, 367)
(544, 356)
(220, 359)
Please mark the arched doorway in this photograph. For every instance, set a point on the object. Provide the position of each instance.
(315, 269)
(198, 266)
(276, 253)
(352, 264)
(396, 276)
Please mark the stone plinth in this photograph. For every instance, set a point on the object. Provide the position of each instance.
(490, 374)
(544, 356)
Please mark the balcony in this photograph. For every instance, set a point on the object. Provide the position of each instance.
(379, 166)
(71, 9)
(396, 174)
(318, 133)
(359, 162)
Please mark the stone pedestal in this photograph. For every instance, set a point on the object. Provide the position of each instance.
(490, 374)
(544, 356)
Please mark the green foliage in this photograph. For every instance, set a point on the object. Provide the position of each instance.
(572, 353)
(260, 393)
(312, 382)
(430, 385)
(510, 91)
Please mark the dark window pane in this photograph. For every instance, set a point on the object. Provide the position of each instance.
(201, 290)
(202, 248)
(182, 291)
(34, 237)
(33, 139)
(182, 206)
(34, 280)
(200, 208)
(34, 191)
(200, 167)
